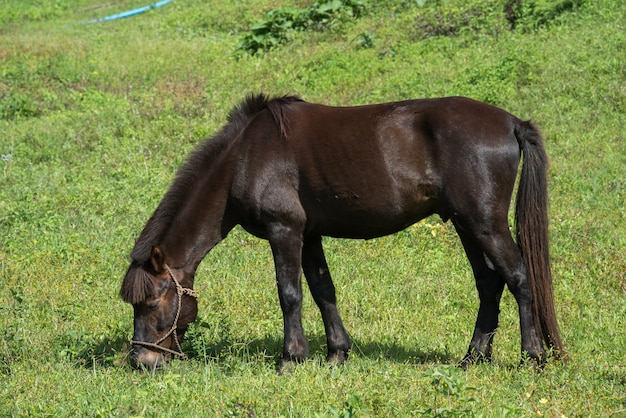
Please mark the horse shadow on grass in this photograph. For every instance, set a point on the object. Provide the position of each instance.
(114, 351)
(105, 352)
(269, 349)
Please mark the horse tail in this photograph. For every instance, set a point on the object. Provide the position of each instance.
(531, 222)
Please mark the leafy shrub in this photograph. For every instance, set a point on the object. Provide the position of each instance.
(447, 382)
(451, 19)
(275, 28)
(351, 408)
(17, 105)
(365, 40)
(532, 14)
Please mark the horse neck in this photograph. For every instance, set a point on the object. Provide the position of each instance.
(201, 222)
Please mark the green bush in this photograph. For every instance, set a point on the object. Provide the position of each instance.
(17, 104)
(533, 14)
(278, 24)
(454, 18)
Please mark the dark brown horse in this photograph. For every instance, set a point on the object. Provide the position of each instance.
(291, 172)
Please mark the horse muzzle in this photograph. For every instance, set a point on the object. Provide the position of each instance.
(148, 360)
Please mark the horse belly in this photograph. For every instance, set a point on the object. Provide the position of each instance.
(366, 215)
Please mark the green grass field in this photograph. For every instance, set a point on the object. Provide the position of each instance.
(96, 118)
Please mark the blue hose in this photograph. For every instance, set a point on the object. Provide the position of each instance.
(133, 12)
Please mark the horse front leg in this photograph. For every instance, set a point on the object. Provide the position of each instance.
(287, 251)
(323, 291)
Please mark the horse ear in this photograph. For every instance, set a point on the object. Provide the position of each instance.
(157, 258)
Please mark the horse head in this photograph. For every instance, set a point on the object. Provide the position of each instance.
(164, 305)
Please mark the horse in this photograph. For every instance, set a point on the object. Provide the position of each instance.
(290, 172)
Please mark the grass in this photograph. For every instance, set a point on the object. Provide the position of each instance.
(95, 119)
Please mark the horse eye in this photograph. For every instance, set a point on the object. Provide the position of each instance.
(152, 305)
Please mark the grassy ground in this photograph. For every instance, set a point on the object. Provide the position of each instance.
(96, 118)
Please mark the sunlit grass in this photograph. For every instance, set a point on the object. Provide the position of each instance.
(97, 118)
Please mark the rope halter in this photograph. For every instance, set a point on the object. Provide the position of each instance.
(180, 291)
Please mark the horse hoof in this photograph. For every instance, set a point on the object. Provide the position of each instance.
(337, 358)
(474, 357)
(288, 365)
(536, 363)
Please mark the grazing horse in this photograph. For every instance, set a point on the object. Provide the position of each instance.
(291, 172)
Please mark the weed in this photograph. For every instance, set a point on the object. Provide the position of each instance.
(351, 408)
(239, 410)
(16, 104)
(533, 14)
(365, 40)
(447, 382)
(452, 19)
(278, 24)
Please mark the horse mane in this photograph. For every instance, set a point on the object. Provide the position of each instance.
(137, 284)
(276, 107)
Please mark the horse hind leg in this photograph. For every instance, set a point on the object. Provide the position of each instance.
(323, 291)
(490, 286)
(498, 246)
